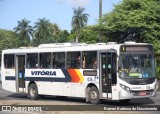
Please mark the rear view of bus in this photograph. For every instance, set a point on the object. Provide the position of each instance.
(136, 70)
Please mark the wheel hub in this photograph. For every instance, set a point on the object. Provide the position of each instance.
(32, 92)
(93, 95)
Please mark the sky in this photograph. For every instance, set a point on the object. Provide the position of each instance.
(57, 11)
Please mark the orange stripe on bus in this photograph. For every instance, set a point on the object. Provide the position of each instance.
(70, 73)
(74, 75)
(80, 75)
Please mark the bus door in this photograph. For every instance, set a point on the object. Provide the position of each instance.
(107, 72)
(20, 73)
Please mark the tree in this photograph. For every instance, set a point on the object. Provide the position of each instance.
(89, 34)
(79, 20)
(62, 37)
(136, 20)
(45, 32)
(42, 31)
(55, 29)
(24, 31)
(8, 39)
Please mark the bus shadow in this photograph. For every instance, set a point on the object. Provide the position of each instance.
(138, 101)
(17, 96)
(49, 98)
(63, 98)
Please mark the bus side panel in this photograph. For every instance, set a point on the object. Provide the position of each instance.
(8, 80)
(73, 89)
(78, 90)
(115, 92)
(53, 88)
(67, 88)
(40, 86)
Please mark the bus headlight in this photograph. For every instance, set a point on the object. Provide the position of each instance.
(125, 87)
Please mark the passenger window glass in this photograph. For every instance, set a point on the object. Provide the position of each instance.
(89, 60)
(58, 60)
(73, 60)
(32, 60)
(9, 61)
(45, 60)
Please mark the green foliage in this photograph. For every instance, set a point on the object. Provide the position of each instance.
(8, 39)
(45, 32)
(24, 31)
(62, 37)
(42, 32)
(157, 55)
(89, 34)
(134, 20)
(79, 20)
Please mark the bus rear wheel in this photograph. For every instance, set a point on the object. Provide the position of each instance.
(94, 95)
(33, 92)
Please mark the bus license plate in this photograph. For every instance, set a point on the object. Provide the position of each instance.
(142, 93)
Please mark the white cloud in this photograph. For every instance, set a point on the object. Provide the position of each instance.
(81, 3)
(75, 3)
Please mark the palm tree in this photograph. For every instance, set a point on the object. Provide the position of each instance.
(45, 32)
(55, 29)
(79, 20)
(24, 31)
(42, 28)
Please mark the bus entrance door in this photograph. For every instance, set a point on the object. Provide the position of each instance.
(107, 73)
(20, 73)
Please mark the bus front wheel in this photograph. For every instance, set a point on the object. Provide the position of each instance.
(94, 95)
(33, 92)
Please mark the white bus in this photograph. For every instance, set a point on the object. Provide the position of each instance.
(92, 71)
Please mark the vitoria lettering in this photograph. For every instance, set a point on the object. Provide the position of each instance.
(47, 73)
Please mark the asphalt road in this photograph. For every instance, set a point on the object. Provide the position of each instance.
(10, 98)
(6, 95)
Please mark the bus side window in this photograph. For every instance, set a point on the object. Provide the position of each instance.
(73, 60)
(9, 61)
(58, 60)
(45, 60)
(89, 59)
(32, 60)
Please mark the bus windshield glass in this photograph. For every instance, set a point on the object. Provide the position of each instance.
(132, 65)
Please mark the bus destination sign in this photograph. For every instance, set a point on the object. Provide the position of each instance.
(127, 48)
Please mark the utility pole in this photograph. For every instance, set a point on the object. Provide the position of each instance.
(100, 8)
(100, 15)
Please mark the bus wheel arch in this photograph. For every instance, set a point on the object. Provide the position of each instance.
(92, 89)
(33, 91)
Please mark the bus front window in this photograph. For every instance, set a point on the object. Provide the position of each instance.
(136, 65)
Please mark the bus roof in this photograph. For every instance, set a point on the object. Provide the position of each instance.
(58, 47)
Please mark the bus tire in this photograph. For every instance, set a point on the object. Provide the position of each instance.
(94, 95)
(33, 91)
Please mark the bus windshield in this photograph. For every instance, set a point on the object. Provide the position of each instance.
(136, 65)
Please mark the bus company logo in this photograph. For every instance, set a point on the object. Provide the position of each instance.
(47, 73)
